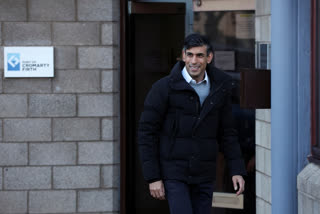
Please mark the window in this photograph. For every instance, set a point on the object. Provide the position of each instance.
(315, 81)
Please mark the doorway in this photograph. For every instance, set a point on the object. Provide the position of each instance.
(156, 33)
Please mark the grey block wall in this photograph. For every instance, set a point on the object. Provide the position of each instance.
(59, 137)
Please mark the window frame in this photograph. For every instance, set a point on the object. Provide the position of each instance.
(315, 78)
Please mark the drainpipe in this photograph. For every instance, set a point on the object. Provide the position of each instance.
(284, 93)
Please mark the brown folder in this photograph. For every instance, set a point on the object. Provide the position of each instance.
(227, 200)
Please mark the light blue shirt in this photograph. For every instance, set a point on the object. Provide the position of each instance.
(202, 88)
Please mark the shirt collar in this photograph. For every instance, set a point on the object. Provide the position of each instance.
(189, 79)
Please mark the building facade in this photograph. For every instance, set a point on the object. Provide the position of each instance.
(286, 181)
(60, 136)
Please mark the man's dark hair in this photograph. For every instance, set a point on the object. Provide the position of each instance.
(197, 40)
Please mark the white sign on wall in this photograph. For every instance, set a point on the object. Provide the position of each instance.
(28, 62)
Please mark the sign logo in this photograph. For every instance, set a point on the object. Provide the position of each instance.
(13, 62)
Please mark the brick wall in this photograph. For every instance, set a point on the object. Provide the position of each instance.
(263, 121)
(59, 148)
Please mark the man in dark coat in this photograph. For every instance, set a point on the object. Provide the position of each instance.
(187, 116)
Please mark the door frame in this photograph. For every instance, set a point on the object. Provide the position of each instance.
(123, 66)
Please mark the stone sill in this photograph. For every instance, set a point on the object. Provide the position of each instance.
(308, 180)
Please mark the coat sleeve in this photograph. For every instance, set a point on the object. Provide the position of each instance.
(229, 138)
(150, 124)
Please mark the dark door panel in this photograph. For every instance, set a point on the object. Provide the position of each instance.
(156, 38)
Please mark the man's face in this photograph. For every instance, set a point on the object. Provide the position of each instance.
(196, 60)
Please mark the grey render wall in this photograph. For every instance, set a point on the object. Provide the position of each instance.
(308, 185)
(59, 148)
(263, 121)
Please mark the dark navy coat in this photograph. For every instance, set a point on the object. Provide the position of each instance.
(178, 139)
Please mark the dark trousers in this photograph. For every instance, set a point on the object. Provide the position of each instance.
(188, 198)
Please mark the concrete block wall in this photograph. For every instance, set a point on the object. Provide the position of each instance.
(263, 121)
(263, 162)
(59, 137)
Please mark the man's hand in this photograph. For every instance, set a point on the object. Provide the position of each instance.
(157, 190)
(237, 179)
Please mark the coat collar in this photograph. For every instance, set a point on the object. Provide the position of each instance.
(177, 81)
(217, 79)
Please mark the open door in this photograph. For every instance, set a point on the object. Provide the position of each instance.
(156, 33)
(232, 35)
